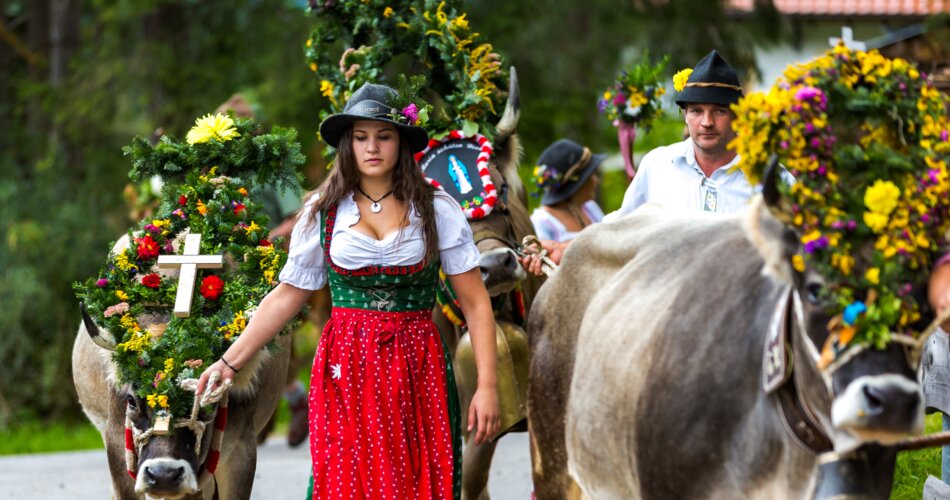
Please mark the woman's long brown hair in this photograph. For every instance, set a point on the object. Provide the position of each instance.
(409, 187)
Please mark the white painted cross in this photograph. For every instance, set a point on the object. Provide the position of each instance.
(189, 262)
(848, 37)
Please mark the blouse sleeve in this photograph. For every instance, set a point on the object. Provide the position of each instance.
(456, 247)
(542, 226)
(306, 265)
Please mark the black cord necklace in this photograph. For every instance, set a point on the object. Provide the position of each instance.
(375, 207)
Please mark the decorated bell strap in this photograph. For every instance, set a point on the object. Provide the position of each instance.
(217, 436)
(448, 303)
(459, 165)
(129, 449)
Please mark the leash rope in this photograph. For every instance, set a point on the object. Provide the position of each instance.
(135, 439)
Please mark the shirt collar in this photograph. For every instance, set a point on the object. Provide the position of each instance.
(688, 156)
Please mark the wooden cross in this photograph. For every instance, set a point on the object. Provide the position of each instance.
(189, 262)
(848, 37)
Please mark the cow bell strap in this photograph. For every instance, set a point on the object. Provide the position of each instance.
(800, 421)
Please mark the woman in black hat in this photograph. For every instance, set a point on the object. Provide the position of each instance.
(384, 419)
(568, 174)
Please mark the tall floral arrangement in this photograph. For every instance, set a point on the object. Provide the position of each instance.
(461, 67)
(130, 298)
(634, 97)
(866, 137)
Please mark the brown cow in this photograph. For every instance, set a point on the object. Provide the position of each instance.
(647, 368)
(167, 466)
(496, 235)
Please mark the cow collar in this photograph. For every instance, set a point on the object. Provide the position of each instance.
(797, 416)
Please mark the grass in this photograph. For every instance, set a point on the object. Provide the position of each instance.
(36, 437)
(913, 467)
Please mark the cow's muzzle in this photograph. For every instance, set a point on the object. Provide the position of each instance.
(880, 408)
(166, 478)
(500, 270)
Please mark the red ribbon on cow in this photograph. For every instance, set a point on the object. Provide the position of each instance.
(130, 449)
(221, 419)
(211, 464)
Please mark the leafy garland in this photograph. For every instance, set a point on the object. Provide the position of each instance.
(156, 350)
(465, 71)
(634, 97)
(867, 139)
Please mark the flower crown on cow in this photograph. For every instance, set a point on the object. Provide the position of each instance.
(155, 350)
(634, 97)
(866, 138)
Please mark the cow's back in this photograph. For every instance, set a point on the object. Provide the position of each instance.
(668, 366)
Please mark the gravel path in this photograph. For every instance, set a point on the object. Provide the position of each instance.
(281, 473)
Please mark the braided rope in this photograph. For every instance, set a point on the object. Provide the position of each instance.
(136, 439)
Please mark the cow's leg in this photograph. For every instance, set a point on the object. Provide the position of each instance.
(235, 476)
(476, 461)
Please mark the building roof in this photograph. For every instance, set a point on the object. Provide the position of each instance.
(850, 8)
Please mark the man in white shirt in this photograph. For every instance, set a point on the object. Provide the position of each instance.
(693, 175)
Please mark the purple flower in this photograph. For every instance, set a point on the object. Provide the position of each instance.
(807, 93)
(925, 218)
(411, 112)
(602, 105)
(619, 99)
(783, 144)
(818, 244)
(852, 225)
(152, 229)
(809, 128)
(815, 142)
(822, 170)
(944, 134)
(837, 225)
(905, 289)
(102, 282)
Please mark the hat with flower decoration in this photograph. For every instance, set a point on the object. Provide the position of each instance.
(378, 103)
(563, 168)
(713, 81)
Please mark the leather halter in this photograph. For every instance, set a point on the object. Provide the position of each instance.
(798, 418)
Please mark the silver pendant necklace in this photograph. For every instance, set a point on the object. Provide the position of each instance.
(375, 207)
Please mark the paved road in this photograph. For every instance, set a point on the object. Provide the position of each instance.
(282, 473)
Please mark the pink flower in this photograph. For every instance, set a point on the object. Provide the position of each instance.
(411, 112)
(119, 308)
(807, 93)
(102, 282)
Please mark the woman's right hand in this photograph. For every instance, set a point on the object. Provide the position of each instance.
(218, 366)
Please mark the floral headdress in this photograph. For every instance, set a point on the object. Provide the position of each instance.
(156, 350)
(461, 66)
(866, 139)
(634, 97)
(412, 109)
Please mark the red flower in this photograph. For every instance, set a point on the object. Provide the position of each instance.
(211, 287)
(182, 200)
(238, 207)
(152, 280)
(147, 247)
(265, 243)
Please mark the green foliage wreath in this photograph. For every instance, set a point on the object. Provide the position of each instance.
(157, 350)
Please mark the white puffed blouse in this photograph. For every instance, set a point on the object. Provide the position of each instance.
(306, 266)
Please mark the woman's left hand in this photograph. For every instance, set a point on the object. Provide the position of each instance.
(484, 414)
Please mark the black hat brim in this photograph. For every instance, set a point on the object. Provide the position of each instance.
(708, 95)
(331, 130)
(553, 197)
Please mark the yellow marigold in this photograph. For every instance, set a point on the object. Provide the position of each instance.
(459, 23)
(169, 364)
(798, 263)
(208, 127)
(151, 399)
(873, 275)
(607, 95)
(313, 67)
(877, 222)
(163, 401)
(123, 263)
(252, 227)
(202, 209)
(680, 78)
(388, 12)
(882, 197)
(121, 295)
(636, 99)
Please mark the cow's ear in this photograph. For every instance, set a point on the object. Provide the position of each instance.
(774, 241)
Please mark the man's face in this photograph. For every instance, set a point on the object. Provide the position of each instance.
(710, 127)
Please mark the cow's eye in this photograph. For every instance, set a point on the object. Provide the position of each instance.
(130, 401)
(814, 292)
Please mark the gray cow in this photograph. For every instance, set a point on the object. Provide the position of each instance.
(167, 466)
(648, 358)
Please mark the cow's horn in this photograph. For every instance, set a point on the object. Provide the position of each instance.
(770, 193)
(98, 337)
(509, 119)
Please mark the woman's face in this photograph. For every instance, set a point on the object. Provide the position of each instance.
(375, 147)
(588, 191)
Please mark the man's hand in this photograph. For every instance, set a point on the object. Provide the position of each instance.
(939, 291)
(532, 260)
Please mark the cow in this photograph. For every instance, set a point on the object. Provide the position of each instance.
(496, 235)
(167, 466)
(648, 366)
